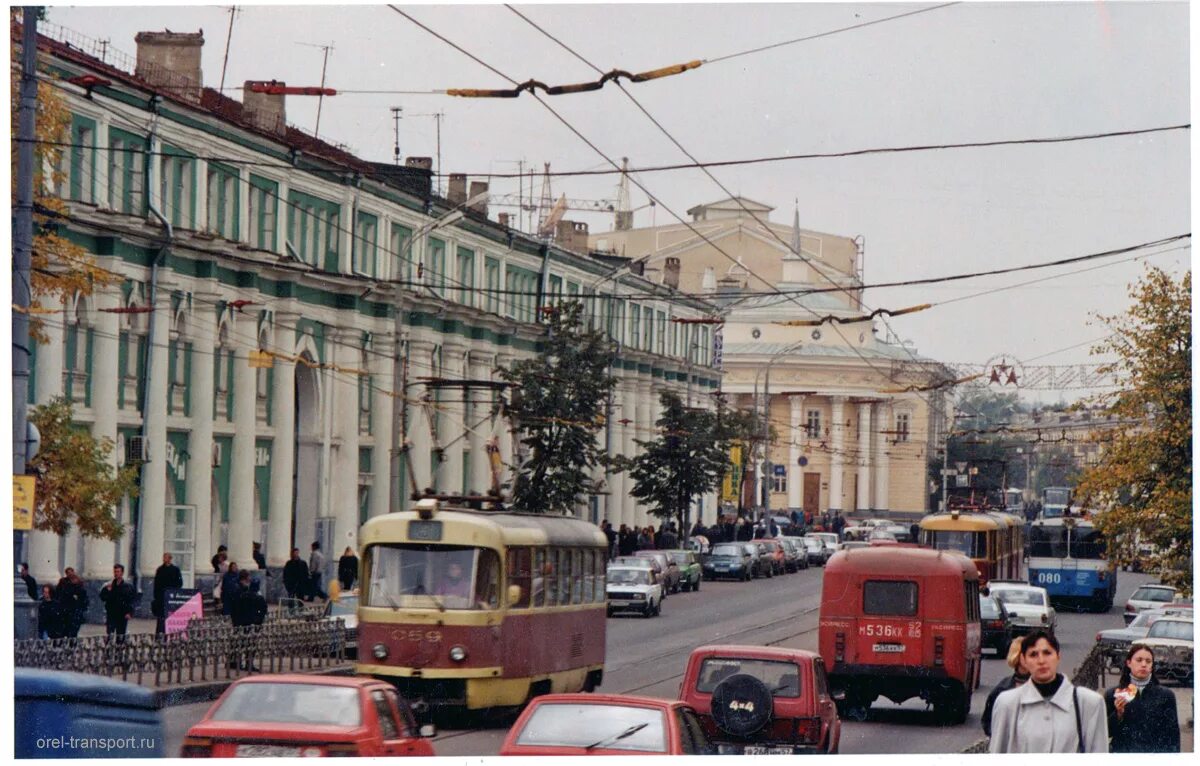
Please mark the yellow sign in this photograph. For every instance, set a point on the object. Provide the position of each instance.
(23, 491)
(261, 359)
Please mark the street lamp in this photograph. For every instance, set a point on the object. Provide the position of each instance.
(766, 416)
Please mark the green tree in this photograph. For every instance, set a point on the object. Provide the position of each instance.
(688, 458)
(744, 429)
(558, 408)
(76, 482)
(1142, 483)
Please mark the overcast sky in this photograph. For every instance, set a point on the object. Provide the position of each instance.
(969, 72)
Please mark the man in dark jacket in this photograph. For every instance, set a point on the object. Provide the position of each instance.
(295, 576)
(249, 609)
(166, 577)
(259, 558)
(118, 597)
(30, 583)
(611, 535)
(73, 600)
(230, 588)
(626, 541)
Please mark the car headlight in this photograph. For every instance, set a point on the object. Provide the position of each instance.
(639, 596)
(458, 653)
(379, 652)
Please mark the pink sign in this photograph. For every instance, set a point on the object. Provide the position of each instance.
(178, 619)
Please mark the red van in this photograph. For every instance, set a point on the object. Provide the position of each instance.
(901, 622)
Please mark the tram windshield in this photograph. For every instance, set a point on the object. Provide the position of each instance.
(418, 576)
(973, 544)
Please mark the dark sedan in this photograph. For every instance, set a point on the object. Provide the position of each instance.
(996, 624)
(729, 560)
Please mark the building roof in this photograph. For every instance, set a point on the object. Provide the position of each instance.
(731, 203)
(817, 350)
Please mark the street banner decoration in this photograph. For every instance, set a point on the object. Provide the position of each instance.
(23, 501)
(181, 606)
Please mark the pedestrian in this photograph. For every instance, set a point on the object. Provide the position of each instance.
(610, 535)
(1142, 716)
(316, 567)
(249, 610)
(259, 559)
(295, 576)
(118, 597)
(626, 541)
(697, 530)
(30, 584)
(220, 559)
(839, 523)
(72, 598)
(915, 532)
(229, 588)
(348, 569)
(1019, 676)
(50, 615)
(166, 577)
(1049, 714)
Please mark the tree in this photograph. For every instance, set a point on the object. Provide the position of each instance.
(60, 269)
(76, 483)
(744, 429)
(1142, 484)
(558, 407)
(688, 458)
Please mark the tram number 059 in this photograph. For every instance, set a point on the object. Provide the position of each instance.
(1049, 577)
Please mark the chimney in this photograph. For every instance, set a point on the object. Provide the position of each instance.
(572, 235)
(424, 163)
(171, 60)
(264, 110)
(478, 188)
(728, 285)
(458, 189)
(503, 218)
(671, 273)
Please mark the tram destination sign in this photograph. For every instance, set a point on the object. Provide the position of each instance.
(429, 531)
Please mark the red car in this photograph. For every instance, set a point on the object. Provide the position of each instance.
(606, 724)
(760, 700)
(299, 715)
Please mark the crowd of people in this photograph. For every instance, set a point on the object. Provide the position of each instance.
(626, 540)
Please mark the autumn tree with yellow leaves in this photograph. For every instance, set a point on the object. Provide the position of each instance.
(1142, 485)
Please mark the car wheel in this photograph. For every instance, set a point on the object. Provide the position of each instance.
(648, 611)
(610, 611)
(696, 585)
(658, 609)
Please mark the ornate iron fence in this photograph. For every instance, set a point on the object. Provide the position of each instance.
(208, 650)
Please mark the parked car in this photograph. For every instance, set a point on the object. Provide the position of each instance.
(881, 533)
(671, 575)
(637, 589)
(763, 567)
(1173, 641)
(796, 557)
(757, 700)
(1115, 642)
(776, 556)
(640, 562)
(689, 568)
(997, 625)
(301, 715)
(849, 545)
(606, 724)
(1027, 605)
(1149, 596)
(817, 552)
(345, 607)
(828, 538)
(729, 560)
(77, 709)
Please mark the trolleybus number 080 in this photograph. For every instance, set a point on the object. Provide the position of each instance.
(1049, 577)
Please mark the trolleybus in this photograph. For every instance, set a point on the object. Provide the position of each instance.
(475, 610)
(1068, 557)
(994, 541)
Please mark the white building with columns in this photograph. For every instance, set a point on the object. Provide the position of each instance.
(273, 352)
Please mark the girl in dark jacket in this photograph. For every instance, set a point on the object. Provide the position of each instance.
(1141, 713)
(1019, 676)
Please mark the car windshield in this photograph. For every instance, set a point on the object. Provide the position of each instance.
(1024, 597)
(417, 576)
(813, 543)
(1178, 629)
(1163, 595)
(989, 609)
(1144, 620)
(782, 678)
(610, 727)
(727, 550)
(679, 557)
(629, 577)
(312, 704)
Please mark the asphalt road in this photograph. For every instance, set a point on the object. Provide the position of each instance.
(647, 656)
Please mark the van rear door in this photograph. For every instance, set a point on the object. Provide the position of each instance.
(888, 630)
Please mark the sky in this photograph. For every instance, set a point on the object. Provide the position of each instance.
(964, 73)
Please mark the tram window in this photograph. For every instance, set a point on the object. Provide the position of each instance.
(973, 544)
(599, 575)
(890, 597)
(541, 568)
(550, 575)
(587, 574)
(487, 580)
(577, 576)
(520, 574)
(423, 576)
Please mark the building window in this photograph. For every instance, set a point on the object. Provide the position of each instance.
(312, 229)
(222, 214)
(77, 358)
(902, 425)
(465, 263)
(83, 160)
(635, 325)
(435, 266)
(662, 333)
(491, 278)
(554, 290)
(402, 252)
(648, 330)
(126, 172)
(366, 242)
(177, 187)
(812, 425)
(264, 205)
(779, 483)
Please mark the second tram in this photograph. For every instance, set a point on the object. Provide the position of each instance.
(994, 541)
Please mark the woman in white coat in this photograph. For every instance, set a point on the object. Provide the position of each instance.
(1049, 714)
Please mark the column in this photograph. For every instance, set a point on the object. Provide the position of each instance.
(629, 509)
(477, 438)
(243, 515)
(452, 432)
(883, 419)
(795, 474)
(503, 433)
(420, 468)
(154, 472)
(98, 553)
(347, 351)
(283, 447)
(644, 431)
(864, 457)
(382, 390)
(43, 545)
(203, 326)
(614, 483)
(837, 461)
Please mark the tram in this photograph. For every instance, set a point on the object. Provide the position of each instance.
(476, 610)
(994, 541)
(1068, 557)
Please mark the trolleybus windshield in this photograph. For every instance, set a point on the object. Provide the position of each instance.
(1086, 543)
(1049, 541)
(417, 576)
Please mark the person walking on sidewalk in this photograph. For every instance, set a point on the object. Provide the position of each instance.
(1019, 676)
(73, 601)
(1142, 717)
(50, 615)
(230, 588)
(316, 567)
(295, 576)
(118, 597)
(31, 585)
(348, 569)
(1049, 714)
(166, 577)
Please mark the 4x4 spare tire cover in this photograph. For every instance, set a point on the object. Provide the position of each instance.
(741, 705)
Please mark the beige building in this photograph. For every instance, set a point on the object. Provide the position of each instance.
(853, 432)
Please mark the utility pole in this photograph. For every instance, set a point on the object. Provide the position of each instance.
(397, 112)
(24, 608)
(324, 66)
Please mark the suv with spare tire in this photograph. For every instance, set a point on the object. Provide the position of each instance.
(760, 700)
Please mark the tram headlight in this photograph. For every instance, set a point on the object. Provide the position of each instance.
(458, 653)
(379, 652)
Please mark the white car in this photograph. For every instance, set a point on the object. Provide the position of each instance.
(1028, 605)
(829, 539)
(1150, 596)
(634, 589)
